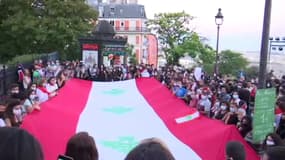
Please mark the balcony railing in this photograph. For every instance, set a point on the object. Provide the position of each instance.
(132, 29)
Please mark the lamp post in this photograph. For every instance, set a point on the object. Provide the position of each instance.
(38, 4)
(264, 45)
(219, 19)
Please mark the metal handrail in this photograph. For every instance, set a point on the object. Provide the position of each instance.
(131, 29)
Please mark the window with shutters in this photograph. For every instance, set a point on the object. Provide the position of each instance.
(137, 39)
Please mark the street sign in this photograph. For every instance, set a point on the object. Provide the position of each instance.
(263, 118)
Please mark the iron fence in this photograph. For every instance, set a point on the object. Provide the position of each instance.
(8, 75)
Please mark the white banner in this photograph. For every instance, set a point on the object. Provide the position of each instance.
(90, 57)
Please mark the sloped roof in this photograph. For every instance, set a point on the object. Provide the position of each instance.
(104, 28)
(122, 11)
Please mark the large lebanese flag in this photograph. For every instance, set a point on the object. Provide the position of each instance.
(120, 114)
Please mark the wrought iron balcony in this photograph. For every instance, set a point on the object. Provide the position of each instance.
(131, 29)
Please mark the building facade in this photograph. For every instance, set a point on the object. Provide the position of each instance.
(122, 1)
(129, 20)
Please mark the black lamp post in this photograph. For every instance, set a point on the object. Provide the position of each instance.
(264, 45)
(219, 19)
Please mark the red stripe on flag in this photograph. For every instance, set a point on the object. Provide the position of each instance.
(206, 137)
(90, 47)
(58, 118)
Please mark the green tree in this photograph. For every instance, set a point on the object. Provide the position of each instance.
(252, 72)
(195, 48)
(208, 59)
(177, 39)
(131, 55)
(207, 54)
(172, 32)
(231, 62)
(26, 29)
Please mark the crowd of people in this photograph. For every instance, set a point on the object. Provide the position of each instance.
(35, 85)
(42, 80)
(18, 144)
(230, 100)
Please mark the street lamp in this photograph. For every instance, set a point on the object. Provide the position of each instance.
(219, 19)
(264, 45)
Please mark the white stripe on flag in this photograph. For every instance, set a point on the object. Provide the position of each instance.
(187, 118)
(118, 117)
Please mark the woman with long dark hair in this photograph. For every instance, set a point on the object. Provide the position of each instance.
(271, 140)
(81, 146)
(31, 102)
(18, 144)
(13, 114)
(150, 149)
(224, 109)
(245, 126)
(3, 107)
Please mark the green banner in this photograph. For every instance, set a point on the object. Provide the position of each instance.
(119, 50)
(264, 117)
(119, 53)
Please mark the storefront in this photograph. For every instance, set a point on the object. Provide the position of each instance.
(103, 47)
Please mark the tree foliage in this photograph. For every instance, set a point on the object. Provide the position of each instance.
(231, 62)
(172, 33)
(177, 39)
(25, 29)
(252, 72)
(131, 55)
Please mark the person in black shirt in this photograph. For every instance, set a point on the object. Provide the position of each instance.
(244, 93)
(245, 125)
(235, 151)
(102, 74)
(232, 116)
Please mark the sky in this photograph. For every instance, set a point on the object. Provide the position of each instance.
(243, 20)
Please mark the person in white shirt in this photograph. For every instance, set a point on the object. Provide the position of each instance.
(236, 98)
(41, 92)
(93, 71)
(40, 96)
(43, 97)
(145, 73)
(31, 102)
(27, 79)
(204, 105)
(52, 85)
(124, 70)
(2, 123)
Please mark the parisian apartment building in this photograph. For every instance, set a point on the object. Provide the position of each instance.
(129, 20)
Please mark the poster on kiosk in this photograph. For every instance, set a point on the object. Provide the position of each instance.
(90, 54)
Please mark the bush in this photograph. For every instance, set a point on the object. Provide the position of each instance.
(23, 59)
(252, 72)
